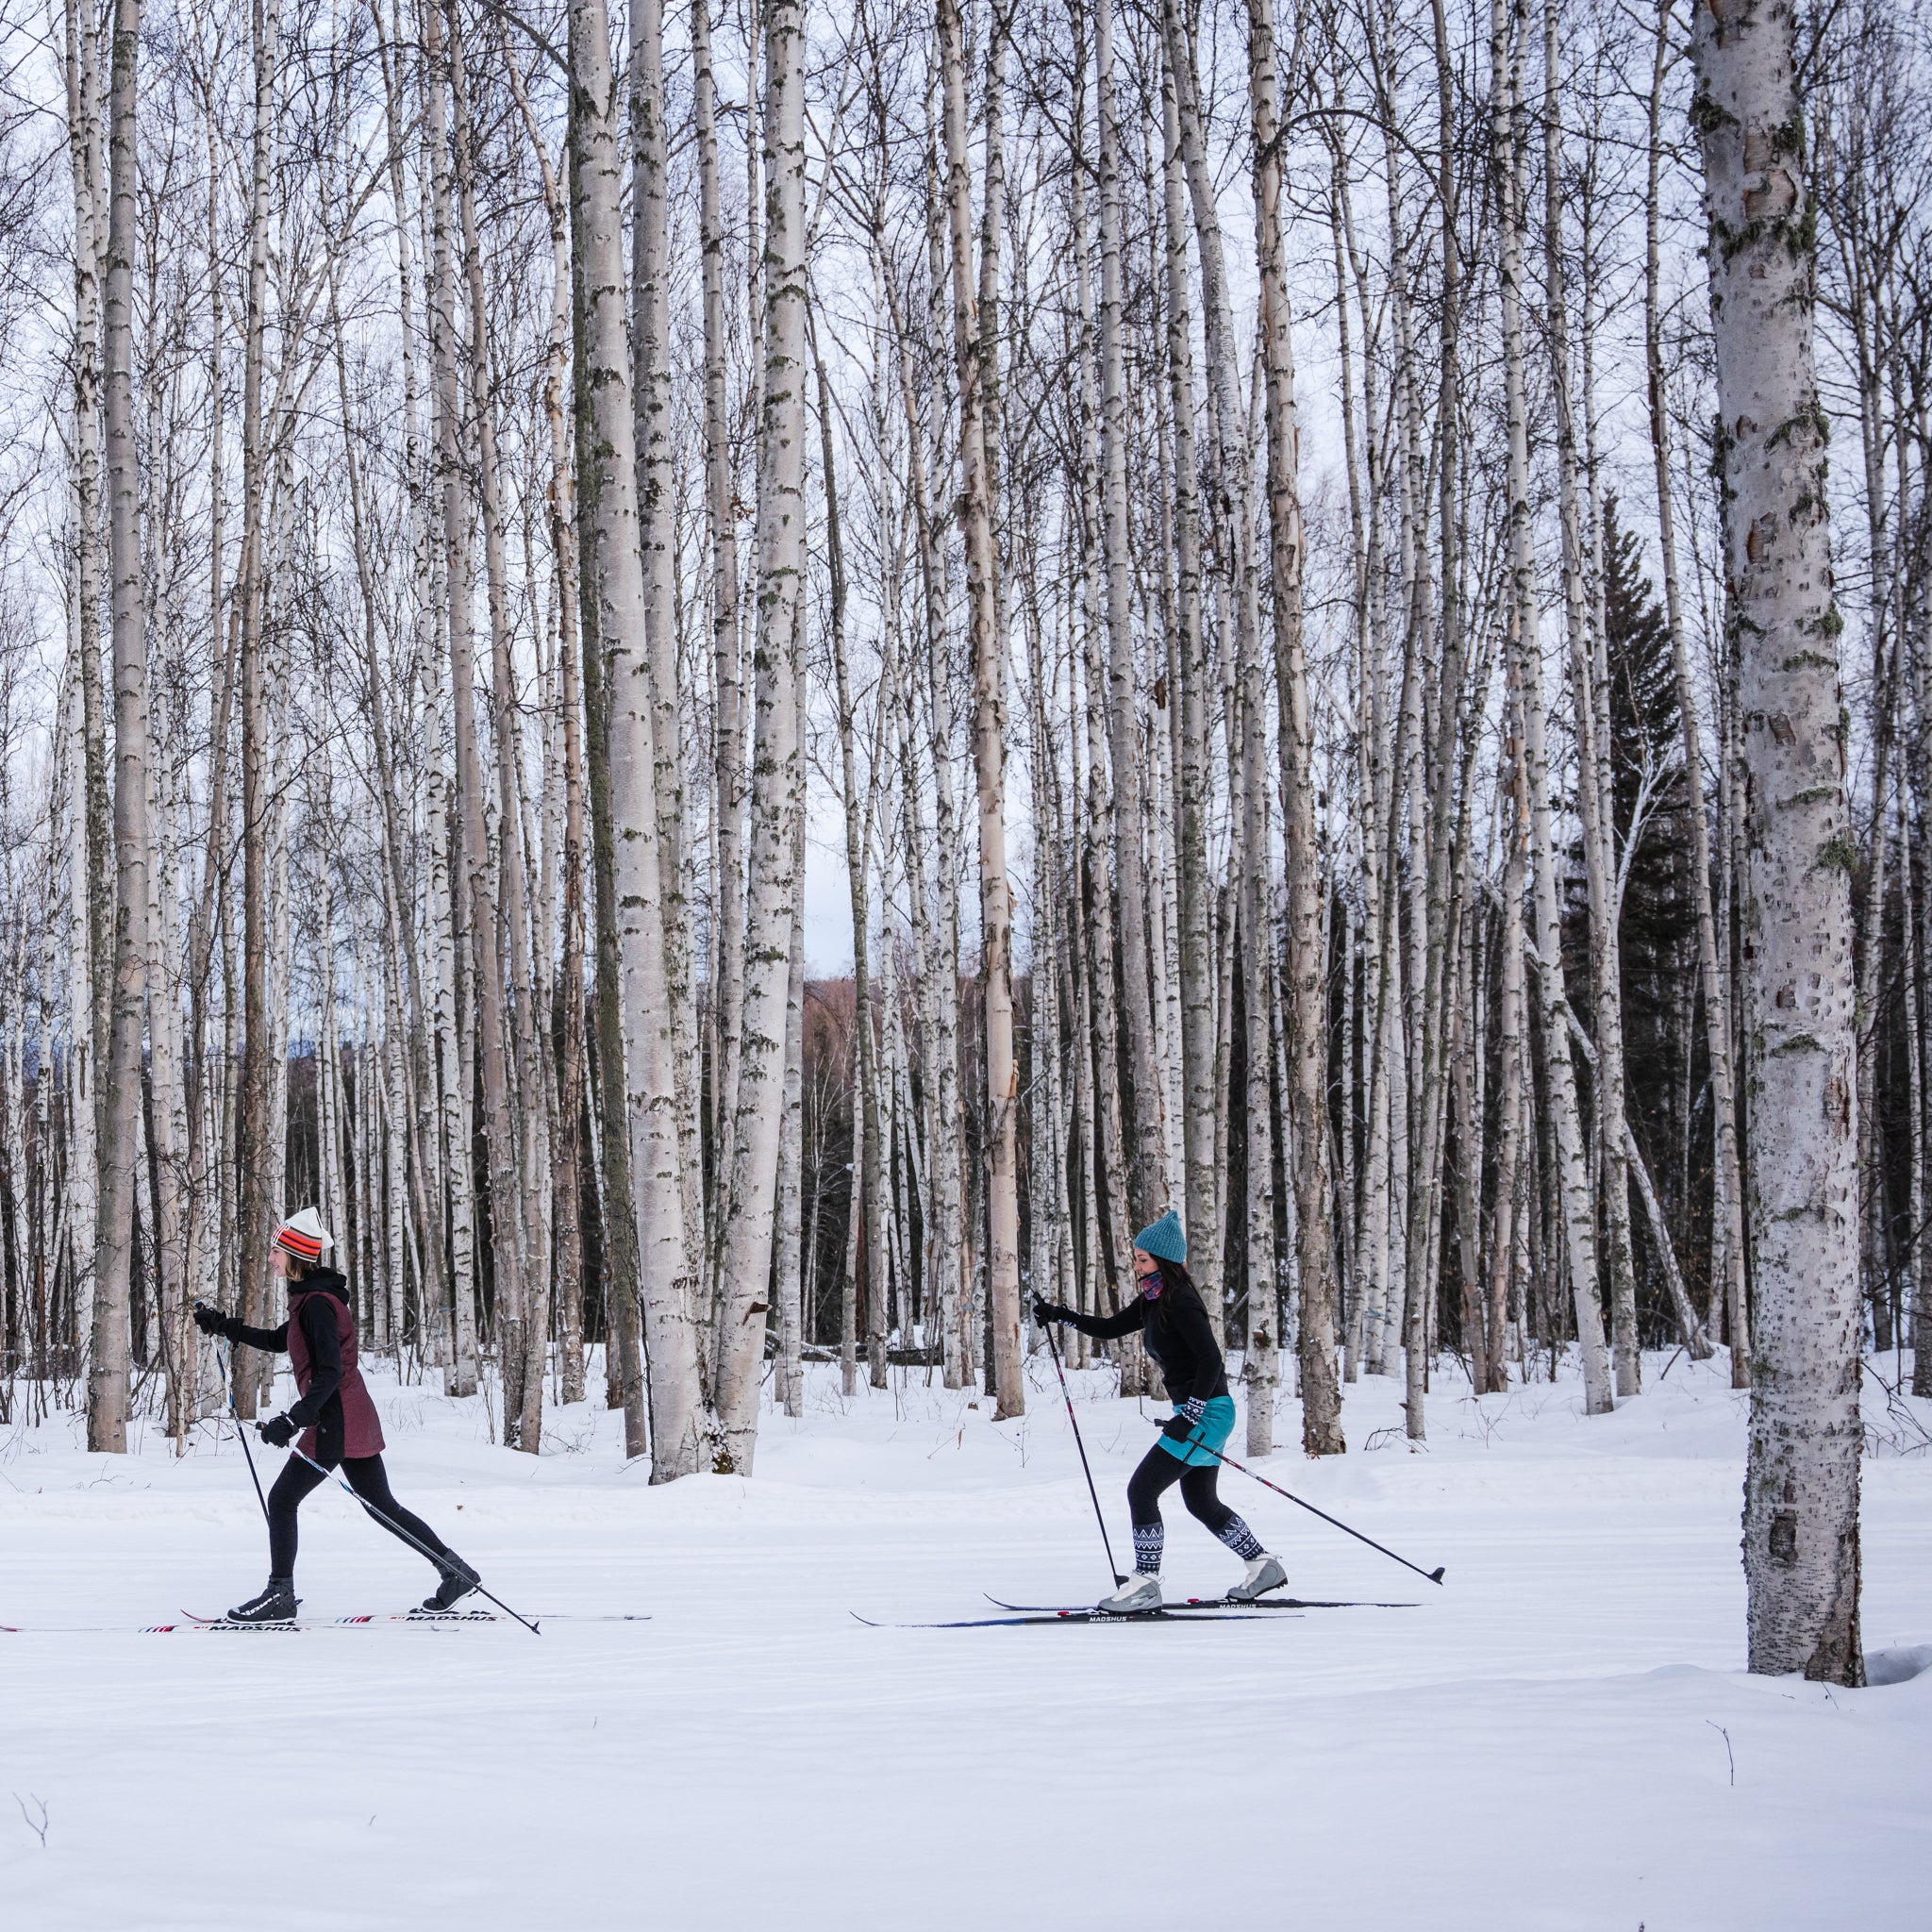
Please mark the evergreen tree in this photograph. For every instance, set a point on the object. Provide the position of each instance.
(1657, 921)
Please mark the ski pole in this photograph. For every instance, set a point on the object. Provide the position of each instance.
(1081, 1446)
(241, 1434)
(1434, 1576)
(396, 1529)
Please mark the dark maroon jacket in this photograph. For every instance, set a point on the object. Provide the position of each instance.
(335, 1411)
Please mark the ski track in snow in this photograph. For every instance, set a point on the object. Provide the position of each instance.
(1547, 1742)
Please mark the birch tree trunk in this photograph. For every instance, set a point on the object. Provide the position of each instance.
(1306, 1009)
(1727, 1204)
(721, 516)
(1511, 1059)
(1196, 885)
(107, 1366)
(175, 1205)
(1124, 712)
(651, 271)
(518, 1225)
(643, 1101)
(89, 246)
(491, 1014)
(989, 752)
(792, 1140)
(1579, 1211)
(80, 1206)
(566, 1146)
(254, 1156)
(857, 843)
(1261, 1336)
(1801, 1484)
(936, 928)
(1098, 1031)
(1592, 741)
(1431, 778)
(771, 885)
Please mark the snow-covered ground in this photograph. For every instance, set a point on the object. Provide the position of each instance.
(1562, 1737)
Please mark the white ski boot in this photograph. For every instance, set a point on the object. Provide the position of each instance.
(1264, 1573)
(1140, 1591)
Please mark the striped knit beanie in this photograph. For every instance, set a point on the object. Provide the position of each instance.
(304, 1235)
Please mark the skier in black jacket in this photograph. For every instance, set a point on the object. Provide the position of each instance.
(1173, 1321)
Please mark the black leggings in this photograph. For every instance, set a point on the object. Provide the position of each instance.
(1158, 1471)
(365, 1476)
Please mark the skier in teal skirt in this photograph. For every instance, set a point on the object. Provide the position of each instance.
(1172, 1320)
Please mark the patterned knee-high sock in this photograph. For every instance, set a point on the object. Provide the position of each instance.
(1239, 1538)
(1148, 1539)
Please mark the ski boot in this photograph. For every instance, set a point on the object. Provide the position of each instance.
(276, 1604)
(458, 1581)
(1139, 1593)
(1264, 1573)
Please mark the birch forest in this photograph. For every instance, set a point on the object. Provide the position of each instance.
(742, 679)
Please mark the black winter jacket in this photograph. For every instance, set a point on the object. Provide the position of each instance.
(1174, 1326)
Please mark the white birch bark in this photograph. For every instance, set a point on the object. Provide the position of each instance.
(678, 1446)
(770, 888)
(936, 925)
(1801, 1485)
(1106, 1166)
(1579, 1210)
(988, 754)
(651, 272)
(721, 516)
(1146, 1131)
(1588, 677)
(491, 1011)
(256, 1160)
(176, 1198)
(107, 1366)
(509, 1010)
(1305, 1011)
(88, 169)
(791, 1139)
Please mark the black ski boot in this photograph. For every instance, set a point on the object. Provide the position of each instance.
(276, 1604)
(458, 1580)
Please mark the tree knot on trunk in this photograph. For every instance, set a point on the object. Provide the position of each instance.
(1784, 1537)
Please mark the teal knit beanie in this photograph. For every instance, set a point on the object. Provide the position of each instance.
(1166, 1239)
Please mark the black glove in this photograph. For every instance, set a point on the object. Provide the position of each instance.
(278, 1433)
(211, 1321)
(1185, 1420)
(1047, 1311)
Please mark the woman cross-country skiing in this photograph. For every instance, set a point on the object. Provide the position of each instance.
(334, 1413)
(1172, 1317)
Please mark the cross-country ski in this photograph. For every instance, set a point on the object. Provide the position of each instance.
(372, 1620)
(1221, 1603)
(1086, 1616)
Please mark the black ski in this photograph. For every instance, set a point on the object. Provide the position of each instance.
(1225, 1602)
(1075, 1616)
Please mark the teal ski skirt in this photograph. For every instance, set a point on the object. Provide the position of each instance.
(1209, 1433)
